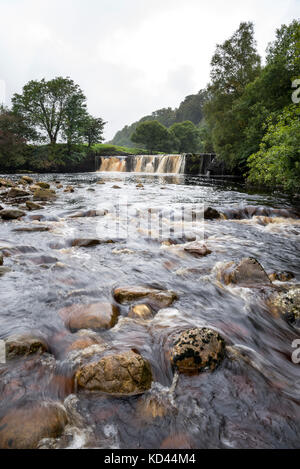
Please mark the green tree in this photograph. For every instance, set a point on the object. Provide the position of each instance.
(93, 130)
(235, 64)
(277, 163)
(47, 106)
(186, 137)
(153, 135)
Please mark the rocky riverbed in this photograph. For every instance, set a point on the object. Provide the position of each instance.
(147, 311)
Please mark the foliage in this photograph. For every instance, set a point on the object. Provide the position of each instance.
(186, 137)
(277, 163)
(93, 130)
(154, 136)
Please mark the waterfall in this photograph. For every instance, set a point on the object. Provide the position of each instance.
(173, 164)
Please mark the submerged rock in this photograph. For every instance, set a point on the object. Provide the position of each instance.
(140, 312)
(90, 213)
(11, 214)
(93, 316)
(197, 350)
(122, 374)
(160, 298)
(1, 258)
(24, 345)
(26, 425)
(86, 243)
(248, 272)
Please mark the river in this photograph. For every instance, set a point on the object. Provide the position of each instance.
(249, 403)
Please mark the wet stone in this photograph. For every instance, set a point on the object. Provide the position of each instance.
(24, 345)
(94, 316)
(11, 214)
(140, 312)
(33, 206)
(26, 425)
(126, 373)
(160, 298)
(248, 272)
(197, 350)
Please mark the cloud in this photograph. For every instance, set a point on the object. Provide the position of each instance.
(130, 57)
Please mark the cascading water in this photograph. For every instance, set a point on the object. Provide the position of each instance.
(159, 164)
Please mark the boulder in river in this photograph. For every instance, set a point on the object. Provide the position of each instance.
(87, 243)
(90, 213)
(33, 206)
(93, 316)
(197, 350)
(197, 249)
(69, 189)
(211, 214)
(24, 426)
(126, 373)
(11, 214)
(140, 312)
(130, 294)
(16, 192)
(43, 185)
(6, 183)
(1, 258)
(26, 180)
(44, 194)
(24, 345)
(247, 272)
(286, 303)
(281, 276)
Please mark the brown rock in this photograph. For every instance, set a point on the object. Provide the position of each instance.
(211, 214)
(90, 213)
(16, 192)
(24, 345)
(197, 350)
(85, 243)
(43, 185)
(44, 194)
(26, 180)
(160, 298)
(1, 258)
(69, 189)
(32, 229)
(10, 214)
(197, 249)
(25, 426)
(286, 303)
(6, 183)
(140, 312)
(122, 374)
(116, 187)
(32, 206)
(247, 272)
(93, 316)
(281, 276)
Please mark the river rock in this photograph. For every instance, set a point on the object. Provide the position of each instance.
(24, 345)
(25, 426)
(116, 187)
(69, 189)
(197, 350)
(90, 213)
(11, 214)
(160, 298)
(26, 180)
(140, 312)
(93, 316)
(16, 192)
(85, 243)
(6, 183)
(248, 272)
(33, 206)
(43, 185)
(197, 249)
(44, 194)
(211, 214)
(1, 258)
(126, 373)
(281, 276)
(287, 303)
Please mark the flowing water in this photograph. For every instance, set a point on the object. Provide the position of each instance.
(160, 164)
(252, 402)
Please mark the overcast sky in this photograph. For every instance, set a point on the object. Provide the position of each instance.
(130, 57)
